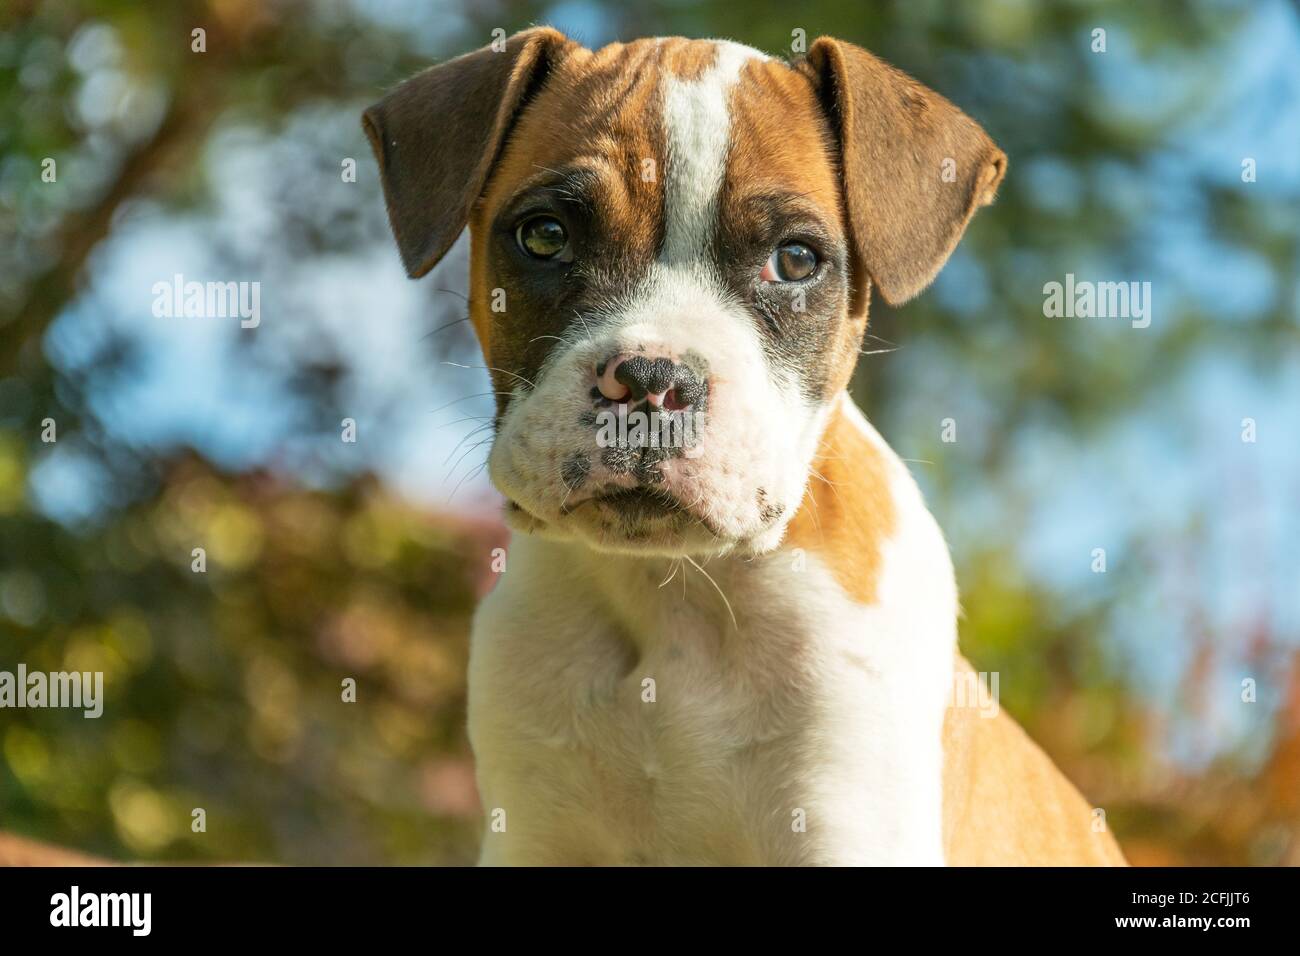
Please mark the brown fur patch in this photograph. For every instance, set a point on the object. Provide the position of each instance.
(848, 511)
(781, 141)
(428, 187)
(915, 167)
(599, 112)
(685, 59)
(594, 115)
(782, 144)
(1024, 814)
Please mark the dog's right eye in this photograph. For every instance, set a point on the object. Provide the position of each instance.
(543, 237)
(790, 262)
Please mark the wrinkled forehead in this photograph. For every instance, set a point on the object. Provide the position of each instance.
(665, 134)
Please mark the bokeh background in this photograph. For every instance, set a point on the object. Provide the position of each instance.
(329, 560)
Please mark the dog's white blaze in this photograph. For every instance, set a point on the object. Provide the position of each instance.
(698, 124)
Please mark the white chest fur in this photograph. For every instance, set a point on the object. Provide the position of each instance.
(617, 721)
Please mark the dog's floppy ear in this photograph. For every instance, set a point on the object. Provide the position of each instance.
(915, 167)
(437, 136)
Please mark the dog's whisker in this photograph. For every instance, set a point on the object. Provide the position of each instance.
(466, 438)
(493, 368)
(709, 578)
(467, 452)
(443, 328)
(820, 477)
(583, 319)
(834, 489)
(567, 493)
(816, 514)
(466, 398)
(468, 475)
(468, 418)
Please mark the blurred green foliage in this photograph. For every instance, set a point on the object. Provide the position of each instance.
(225, 689)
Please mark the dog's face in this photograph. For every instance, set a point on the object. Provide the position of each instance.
(673, 244)
(703, 281)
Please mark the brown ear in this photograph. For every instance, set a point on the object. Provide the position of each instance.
(437, 136)
(915, 167)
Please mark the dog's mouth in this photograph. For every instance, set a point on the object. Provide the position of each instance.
(638, 513)
(634, 505)
(640, 504)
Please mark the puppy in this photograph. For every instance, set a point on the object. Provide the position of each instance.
(728, 637)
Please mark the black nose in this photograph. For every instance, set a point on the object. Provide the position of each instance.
(665, 383)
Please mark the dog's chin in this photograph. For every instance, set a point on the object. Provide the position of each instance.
(633, 522)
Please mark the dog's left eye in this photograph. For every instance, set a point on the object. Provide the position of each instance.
(790, 262)
(543, 237)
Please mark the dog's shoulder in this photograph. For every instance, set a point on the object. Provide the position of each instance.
(1007, 804)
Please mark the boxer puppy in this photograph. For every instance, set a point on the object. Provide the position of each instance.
(734, 644)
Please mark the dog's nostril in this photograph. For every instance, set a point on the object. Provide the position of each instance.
(674, 402)
(689, 390)
(610, 387)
